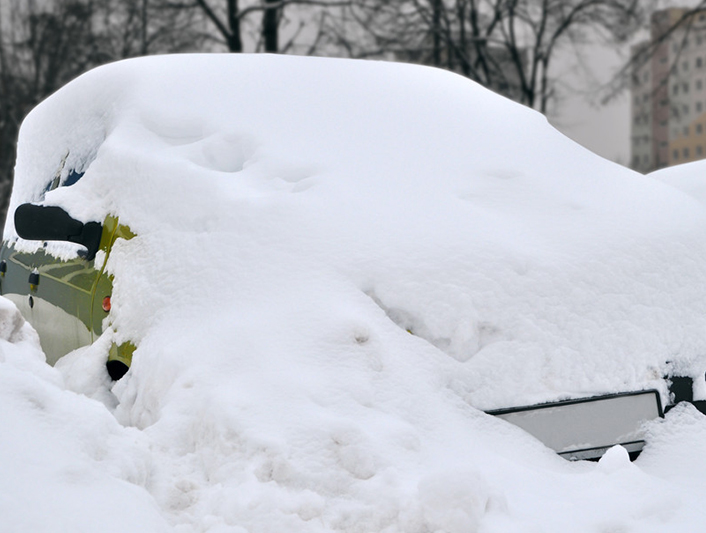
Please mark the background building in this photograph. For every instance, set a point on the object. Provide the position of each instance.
(668, 93)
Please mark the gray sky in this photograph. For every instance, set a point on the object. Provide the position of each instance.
(603, 129)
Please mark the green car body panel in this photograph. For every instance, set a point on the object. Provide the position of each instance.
(63, 299)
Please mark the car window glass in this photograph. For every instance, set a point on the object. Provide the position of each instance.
(72, 178)
(53, 184)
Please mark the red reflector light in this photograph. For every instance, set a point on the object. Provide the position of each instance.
(106, 304)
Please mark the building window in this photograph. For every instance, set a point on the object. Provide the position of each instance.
(699, 150)
(675, 155)
(663, 144)
(685, 109)
(663, 59)
(663, 123)
(685, 64)
(699, 107)
(699, 129)
(675, 89)
(699, 61)
(685, 87)
(699, 85)
(645, 97)
(685, 151)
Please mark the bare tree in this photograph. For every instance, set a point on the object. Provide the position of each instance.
(233, 18)
(507, 45)
(663, 31)
(130, 28)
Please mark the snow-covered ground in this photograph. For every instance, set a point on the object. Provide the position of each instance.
(296, 220)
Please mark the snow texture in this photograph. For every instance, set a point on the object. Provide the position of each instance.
(338, 266)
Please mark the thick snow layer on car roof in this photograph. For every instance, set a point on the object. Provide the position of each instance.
(337, 263)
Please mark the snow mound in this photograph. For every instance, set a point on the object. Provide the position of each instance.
(337, 263)
(688, 178)
(67, 465)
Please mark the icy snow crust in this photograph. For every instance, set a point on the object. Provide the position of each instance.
(337, 265)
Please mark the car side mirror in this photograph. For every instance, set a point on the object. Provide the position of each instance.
(52, 223)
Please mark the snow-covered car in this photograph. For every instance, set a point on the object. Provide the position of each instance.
(210, 208)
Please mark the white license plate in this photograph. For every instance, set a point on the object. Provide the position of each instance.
(587, 427)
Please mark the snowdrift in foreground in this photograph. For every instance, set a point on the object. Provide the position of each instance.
(66, 464)
(296, 220)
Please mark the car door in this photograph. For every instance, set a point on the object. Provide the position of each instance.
(65, 300)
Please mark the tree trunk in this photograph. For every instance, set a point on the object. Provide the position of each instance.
(270, 27)
(143, 28)
(436, 8)
(233, 39)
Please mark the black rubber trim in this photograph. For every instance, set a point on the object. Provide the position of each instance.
(508, 410)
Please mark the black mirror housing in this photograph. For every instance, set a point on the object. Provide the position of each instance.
(52, 223)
